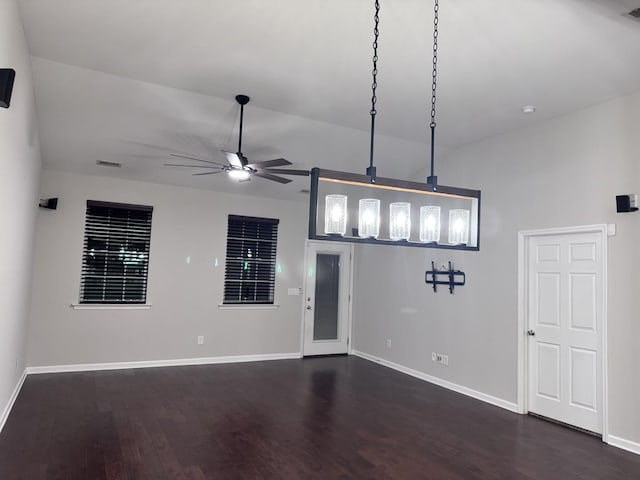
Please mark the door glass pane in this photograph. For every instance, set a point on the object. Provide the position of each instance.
(325, 320)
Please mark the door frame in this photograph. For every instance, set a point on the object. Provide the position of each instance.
(350, 292)
(524, 238)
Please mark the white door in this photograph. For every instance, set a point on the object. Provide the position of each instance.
(565, 312)
(326, 298)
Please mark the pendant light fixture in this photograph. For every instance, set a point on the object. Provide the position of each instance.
(459, 229)
(369, 208)
(379, 198)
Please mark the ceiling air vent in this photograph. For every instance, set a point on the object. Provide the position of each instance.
(104, 163)
(635, 13)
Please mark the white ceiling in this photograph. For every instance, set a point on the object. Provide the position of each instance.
(132, 81)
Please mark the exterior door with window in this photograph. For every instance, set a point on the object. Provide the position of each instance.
(327, 298)
(565, 317)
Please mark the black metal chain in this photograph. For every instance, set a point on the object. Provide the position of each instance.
(434, 72)
(433, 179)
(374, 72)
(371, 171)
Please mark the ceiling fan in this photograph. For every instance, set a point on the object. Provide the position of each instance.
(238, 167)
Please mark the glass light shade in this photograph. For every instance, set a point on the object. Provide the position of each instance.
(335, 214)
(458, 226)
(369, 218)
(399, 221)
(239, 174)
(430, 224)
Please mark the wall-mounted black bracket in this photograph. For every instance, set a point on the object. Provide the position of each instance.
(455, 277)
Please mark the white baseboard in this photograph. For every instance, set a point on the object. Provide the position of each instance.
(12, 400)
(88, 367)
(498, 402)
(627, 445)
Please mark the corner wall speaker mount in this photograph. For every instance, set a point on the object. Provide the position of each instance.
(626, 203)
(48, 203)
(7, 76)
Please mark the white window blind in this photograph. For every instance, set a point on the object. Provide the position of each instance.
(250, 268)
(115, 257)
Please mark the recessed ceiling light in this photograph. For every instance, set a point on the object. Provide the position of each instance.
(528, 109)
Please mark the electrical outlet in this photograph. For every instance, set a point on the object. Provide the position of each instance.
(439, 357)
(200, 339)
(388, 343)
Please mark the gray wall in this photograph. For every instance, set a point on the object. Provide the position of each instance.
(184, 296)
(564, 172)
(20, 167)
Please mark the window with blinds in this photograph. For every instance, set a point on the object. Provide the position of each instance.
(250, 268)
(115, 258)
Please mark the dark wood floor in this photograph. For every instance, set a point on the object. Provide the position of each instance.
(323, 418)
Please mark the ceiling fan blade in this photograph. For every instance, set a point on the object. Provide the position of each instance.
(208, 173)
(185, 165)
(284, 171)
(268, 176)
(233, 159)
(196, 159)
(276, 162)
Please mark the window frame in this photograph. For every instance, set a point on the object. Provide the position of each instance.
(112, 230)
(262, 234)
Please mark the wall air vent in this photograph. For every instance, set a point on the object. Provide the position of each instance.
(104, 163)
(635, 13)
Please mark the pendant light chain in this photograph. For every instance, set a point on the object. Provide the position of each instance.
(433, 179)
(371, 170)
(434, 72)
(374, 72)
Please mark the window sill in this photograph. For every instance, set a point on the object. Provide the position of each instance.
(246, 306)
(106, 306)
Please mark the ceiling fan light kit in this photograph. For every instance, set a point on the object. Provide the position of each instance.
(354, 208)
(239, 174)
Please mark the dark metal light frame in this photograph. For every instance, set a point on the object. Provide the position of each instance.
(322, 175)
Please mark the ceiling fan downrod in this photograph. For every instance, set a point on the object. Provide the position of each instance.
(242, 100)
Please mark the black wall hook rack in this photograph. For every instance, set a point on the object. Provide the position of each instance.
(455, 277)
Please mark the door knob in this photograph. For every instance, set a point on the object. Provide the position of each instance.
(531, 333)
(308, 307)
